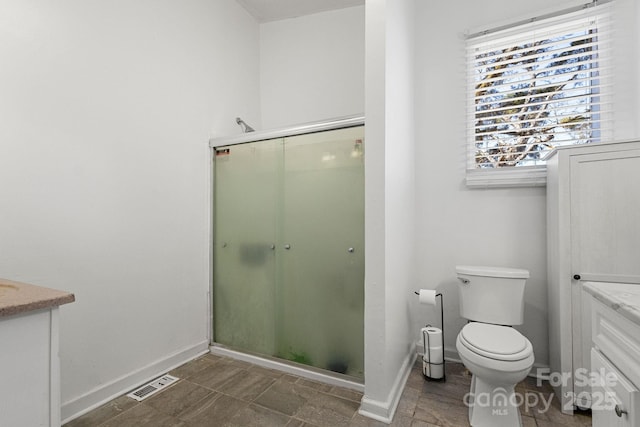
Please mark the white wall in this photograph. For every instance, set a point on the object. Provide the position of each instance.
(389, 204)
(107, 108)
(626, 57)
(312, 67)
(505, 227)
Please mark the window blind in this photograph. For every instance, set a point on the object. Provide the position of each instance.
(537, 86)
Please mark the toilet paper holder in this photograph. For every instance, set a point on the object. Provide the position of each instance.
(427, 346)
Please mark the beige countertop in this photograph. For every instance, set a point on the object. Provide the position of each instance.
(16, 297)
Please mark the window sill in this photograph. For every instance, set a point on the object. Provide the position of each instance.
(507, 178)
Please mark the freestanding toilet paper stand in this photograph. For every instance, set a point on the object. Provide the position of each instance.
(427, 357)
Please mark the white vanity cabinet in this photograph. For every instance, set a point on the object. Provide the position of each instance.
(593, 234)
(615, 356)
(29, 363)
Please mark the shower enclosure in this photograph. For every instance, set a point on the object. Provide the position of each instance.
(288, 245)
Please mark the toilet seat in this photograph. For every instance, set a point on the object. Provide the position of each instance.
(496, 342)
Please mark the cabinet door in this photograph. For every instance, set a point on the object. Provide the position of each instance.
(614, 398)
(605, 201)
(29, 370)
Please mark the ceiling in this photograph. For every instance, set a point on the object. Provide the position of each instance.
(273, 10)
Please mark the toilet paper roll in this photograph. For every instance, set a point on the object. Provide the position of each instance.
(427, 296)
(434, 338)
(433, 358)
(432, 371)
(433, 355)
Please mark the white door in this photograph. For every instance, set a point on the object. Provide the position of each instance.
(605, 206)
(605, 238)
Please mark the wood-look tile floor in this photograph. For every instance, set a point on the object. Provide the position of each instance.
(217, 391)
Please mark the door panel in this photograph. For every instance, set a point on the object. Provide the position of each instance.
(605, 199)
(245, 189)
(323, 271)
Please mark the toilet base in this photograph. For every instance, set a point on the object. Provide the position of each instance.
(493, 406)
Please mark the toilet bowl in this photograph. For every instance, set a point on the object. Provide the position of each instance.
(497, 355)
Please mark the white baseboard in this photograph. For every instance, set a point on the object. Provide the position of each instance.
(385, 410)
(100, 395)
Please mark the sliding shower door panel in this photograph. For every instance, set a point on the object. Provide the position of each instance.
(321, 273)
(244, 268)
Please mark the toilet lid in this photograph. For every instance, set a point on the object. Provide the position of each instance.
(495, 341)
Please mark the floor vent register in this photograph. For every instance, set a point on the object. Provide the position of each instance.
(152, 388)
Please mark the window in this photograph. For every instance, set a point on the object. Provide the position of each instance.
(533, 87)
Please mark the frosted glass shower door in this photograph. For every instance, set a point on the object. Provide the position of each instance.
(244, 269)
(321, 258)
(288, 268)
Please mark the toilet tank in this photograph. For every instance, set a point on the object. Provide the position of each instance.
(492, 294)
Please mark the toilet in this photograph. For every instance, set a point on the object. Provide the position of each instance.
(498, 356)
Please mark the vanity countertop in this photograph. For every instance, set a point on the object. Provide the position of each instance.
(17, 297)
(623, 298)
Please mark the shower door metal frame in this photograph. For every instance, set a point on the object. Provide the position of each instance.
(251, 137)
(261, 135)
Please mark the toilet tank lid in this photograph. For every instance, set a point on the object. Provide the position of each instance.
(512, 273)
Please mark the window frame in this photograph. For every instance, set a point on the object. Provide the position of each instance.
(535, 176)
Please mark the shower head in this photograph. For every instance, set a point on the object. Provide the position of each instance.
(245, 127)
